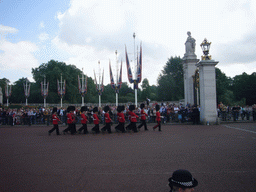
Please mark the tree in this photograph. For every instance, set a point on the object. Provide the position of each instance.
(145, 89)
(170, 82)
(222, 86)
(244, 87)
(52, 71)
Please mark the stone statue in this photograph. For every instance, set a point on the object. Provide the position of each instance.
(190, 44)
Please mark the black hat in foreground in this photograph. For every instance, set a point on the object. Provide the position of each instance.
(183, 179)
(157, 107)
(84, 108)
(95, 109)
(106, 108)
(131, 107)
(142, 105)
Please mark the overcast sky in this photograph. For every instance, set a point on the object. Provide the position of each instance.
(82, 32)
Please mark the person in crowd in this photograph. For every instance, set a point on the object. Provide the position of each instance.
(182, 181)
(55, 122)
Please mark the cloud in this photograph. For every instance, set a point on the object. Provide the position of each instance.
(41, 25)
(92, 30)
(16, 59)
(43, 36)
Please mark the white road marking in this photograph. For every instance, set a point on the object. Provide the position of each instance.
(239, 129)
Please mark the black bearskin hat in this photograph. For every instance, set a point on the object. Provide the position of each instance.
(119, 109)
(95, 109)
(106, 108)
(131, 107)
(54, 109)
(122, 107)
(84, 108)
(157, 107)
(71, 108)
(142, 105)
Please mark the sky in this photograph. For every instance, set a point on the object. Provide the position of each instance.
(83, 32)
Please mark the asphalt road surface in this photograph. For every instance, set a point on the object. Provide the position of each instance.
(221, 158)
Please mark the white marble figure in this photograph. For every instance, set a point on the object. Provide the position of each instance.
(190, 44)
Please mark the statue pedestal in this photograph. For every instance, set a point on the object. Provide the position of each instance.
(208, 100)
(189, 68)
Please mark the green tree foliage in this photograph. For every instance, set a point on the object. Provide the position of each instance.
(244, 87)
(170, 82)
(223, 83)
(145, 93)
(52, 71)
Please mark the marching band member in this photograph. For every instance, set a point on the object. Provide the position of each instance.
(55, 122)
(143, 117)
(83, 120)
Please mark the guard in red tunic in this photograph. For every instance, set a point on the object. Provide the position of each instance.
(158, 119)
(133, 118)
(71, 120)
(83, 120)
(121, 119)
(143, 115)
(55, 122)
(108, 120)
(96, 120)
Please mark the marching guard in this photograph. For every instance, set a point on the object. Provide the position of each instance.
(121, 119)
(158, 119)
(96, 120)
(133, 118)
(143, 115)
(108, 120)
(55, 122)
(70, 120)
(83, 120)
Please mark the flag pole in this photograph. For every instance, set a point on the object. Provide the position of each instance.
(135, 72)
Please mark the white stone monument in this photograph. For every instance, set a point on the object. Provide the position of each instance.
(189, 68)
(207, 83)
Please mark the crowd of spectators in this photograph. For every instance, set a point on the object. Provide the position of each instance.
(170, 112)
(236, 112)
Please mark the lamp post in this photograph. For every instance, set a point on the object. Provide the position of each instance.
(26, 90)
(82, 87)
(100, 86)
(44, 90)
(205, 45)
(8, 92)
(61, 89)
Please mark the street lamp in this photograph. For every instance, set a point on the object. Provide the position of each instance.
(205, 45)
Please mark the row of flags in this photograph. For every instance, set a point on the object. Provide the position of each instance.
(99, 87)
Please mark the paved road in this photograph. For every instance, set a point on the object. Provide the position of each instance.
(221, 158)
